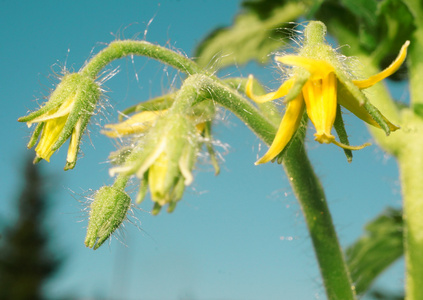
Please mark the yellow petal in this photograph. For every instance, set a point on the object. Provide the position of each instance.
(280, 92)
(289, 124)
(73, 144)
(49, 136)
(62, 110)
(354, 106)
(320, 100)
(364, 84)
(138, 123)
(318, 68)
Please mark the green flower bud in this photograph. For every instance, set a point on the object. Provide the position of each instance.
(65, 115)
(108, 211)
(164, 159)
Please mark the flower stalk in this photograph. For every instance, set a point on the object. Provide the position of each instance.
(119, 49)
(198, 87)
(307, 188)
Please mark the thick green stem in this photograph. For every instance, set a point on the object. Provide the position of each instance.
(119, 49)
(121, 182)
(308, 191)
(415, 57)
(407, 145)
(411, 164)
(411, 174)
(297, 166)
(310, 194)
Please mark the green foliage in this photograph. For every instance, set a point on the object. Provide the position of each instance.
(258, 31)
(376, 27)
(378, 248)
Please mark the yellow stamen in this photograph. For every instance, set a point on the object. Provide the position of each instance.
(289, 124)
(281, 91)
(393, 67)
(350, 147)
(324, 138)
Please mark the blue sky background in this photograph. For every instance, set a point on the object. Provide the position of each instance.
(239, 235)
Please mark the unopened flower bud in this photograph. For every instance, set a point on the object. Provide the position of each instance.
(164, 159)
(108, 211)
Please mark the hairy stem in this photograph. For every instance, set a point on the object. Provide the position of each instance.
(310, 194)
(297, 166)
(406, 145)
(308, 190)
(119, 49)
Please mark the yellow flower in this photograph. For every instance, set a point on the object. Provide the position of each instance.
(318, 85)
(136, 124)
(140, 123)
(65, 115)
(163, 159)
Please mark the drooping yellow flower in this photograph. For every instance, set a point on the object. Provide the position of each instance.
(163, 160)
(318, 85)
(65, 115)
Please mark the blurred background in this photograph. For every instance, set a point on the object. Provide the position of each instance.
(239, 235)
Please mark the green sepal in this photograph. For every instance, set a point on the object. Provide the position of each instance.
(301, 77)
(209, 146)
(177, 193)
(36, 160)
(34, 137)
(378, 117)
(87, 95)
(62, 92)
(119, 156)
(156, 209)
(143, 188)
(155, 104)
(204, 110)
(346, 86)
(70, 165)
(342, 133)
(108, 211)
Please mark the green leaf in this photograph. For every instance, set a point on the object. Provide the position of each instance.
(418, 109)
(379, 247)
(379, 28)
(365, 12)
(255, 34)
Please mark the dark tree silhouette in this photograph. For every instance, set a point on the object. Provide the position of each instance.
(25, 259)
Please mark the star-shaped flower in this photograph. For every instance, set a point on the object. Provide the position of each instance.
(319, 84)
